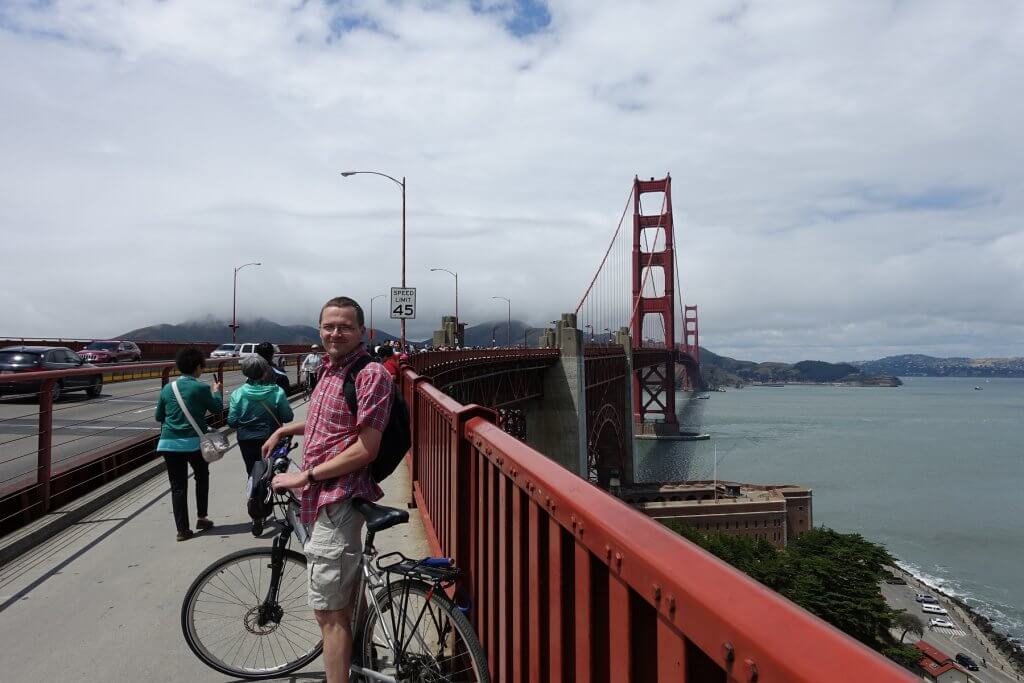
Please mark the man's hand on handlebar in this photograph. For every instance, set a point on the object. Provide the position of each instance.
(270, 443)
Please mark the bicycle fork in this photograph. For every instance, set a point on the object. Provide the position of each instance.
(270, 610)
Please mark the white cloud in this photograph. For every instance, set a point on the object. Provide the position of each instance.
(847, 176)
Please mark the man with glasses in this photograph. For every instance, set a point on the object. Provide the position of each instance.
(337, 451)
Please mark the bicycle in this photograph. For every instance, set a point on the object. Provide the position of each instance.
(243, 621)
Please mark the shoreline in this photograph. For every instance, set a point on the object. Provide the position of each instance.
(996, 642)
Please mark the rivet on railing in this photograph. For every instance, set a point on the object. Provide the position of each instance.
(618, 561)
(657, 592)
(671, 604)
(751, 670)
(728, 652)
(608, 552)
(573, 519)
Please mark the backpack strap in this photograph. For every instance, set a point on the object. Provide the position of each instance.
(350, 383)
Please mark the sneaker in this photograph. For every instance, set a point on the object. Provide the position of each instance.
(204, 524)
(185, 535)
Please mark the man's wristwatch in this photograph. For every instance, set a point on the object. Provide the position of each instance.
(309, 476)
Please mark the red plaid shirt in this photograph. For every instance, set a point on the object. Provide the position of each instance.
(331, 428)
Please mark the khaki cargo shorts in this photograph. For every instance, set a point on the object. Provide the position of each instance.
(333, 553)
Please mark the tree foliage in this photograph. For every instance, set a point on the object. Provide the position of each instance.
(908, 623)
(831, 574)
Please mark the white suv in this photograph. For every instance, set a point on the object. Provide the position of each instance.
(249, 348)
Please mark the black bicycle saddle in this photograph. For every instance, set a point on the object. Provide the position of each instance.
(379, 517)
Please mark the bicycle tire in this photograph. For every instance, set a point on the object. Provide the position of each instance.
(245, 564)
(469, 659)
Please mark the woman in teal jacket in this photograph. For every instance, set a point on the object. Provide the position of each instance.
(179, 443)
(257, 408)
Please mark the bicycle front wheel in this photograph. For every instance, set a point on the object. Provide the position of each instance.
(437, 642)
(232, 627)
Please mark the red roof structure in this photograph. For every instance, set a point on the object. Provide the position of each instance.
(934, 661)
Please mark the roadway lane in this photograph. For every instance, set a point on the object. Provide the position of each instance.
(950, 641)
(81, 426)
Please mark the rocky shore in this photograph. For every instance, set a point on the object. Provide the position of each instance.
(997, 643)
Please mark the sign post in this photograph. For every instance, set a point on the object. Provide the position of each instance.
(403, 303)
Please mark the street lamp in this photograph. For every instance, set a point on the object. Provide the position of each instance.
(591, 331)
(494, 336)
(401, 184)
(456, 276)
(608, 338)
(372, 299)
(234, 299)
(508, 330)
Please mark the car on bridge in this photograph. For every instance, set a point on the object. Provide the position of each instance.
(15, 359)
(112, 351)
(226, 351)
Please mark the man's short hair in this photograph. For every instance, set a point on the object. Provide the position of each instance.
(344, 302)
(188, 359)
(266, 349)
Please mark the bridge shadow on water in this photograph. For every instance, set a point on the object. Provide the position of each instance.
(672, 461)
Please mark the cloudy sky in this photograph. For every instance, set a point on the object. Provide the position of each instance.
(848, 177)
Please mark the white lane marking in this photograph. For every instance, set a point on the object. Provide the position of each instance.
(945, 630)
(144, 410)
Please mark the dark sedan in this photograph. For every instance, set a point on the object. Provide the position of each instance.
(15, 359)
(113, 351)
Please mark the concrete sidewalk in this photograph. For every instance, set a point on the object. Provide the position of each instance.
(101, 601)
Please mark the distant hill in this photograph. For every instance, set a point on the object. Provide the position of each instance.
(724, 371)
(917, 365)
(212, 330)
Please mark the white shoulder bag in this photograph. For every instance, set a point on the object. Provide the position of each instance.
(214, 444)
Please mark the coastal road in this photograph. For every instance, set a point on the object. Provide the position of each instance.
(81, 425)
(950, 641)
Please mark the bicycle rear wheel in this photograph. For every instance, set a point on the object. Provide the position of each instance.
(438, 642)
(229, 625)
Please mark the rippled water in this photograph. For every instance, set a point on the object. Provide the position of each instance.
(934, 470)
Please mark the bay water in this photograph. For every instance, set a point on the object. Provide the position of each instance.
(933, 470)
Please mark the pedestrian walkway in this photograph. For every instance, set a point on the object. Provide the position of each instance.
(101, 601)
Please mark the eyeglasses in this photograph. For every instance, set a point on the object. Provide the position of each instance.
(341, 329)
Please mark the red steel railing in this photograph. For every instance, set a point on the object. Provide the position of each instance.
(570, 584)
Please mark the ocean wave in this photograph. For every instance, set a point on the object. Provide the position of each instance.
(1006, 619)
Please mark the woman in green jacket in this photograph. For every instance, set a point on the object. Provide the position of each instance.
(179, 443)
(257, 408)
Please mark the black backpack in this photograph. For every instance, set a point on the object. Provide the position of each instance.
(396, 439)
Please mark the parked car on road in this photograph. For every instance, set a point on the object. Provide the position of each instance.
(941, 623)
(896, 581)
(966, 661)
(932, 609)
(14, 359)
(112, 351)
(924, 597)
(226, 351)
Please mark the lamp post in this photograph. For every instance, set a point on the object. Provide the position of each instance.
(234, 299)
(372, 299)
(456, 276)
(591, 331)
(608, 338)
(508, 330)
(494, 336)
(401, 184)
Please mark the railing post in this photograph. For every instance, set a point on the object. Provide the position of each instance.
(463, 522)
(415, 427)
(165, 376)
(44, 451)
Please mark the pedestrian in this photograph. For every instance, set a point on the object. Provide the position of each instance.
(338, 449)
(311, 367)
(389, 359)
(257, 408)
(276, 374)
(179, 442)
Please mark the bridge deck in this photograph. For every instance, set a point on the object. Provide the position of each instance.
(101, 600)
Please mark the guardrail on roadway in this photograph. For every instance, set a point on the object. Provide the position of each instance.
(569, 583)
(33, 480)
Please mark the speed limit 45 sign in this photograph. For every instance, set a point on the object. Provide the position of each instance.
(403, 302)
